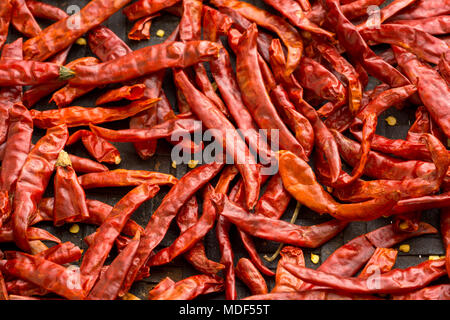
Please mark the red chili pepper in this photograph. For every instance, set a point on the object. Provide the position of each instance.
(134, 92)
(166, 212)
(433, 25)
(70, 199)
(275, 200)
(145, 61)
(284, 280)
(161, 287)
(33, 180)
(23, 20)
(81, 116)
(445, 230)
(123, 177)
(312, 295)
(44, 273)
(142, 8)
(395, 281)
(97, 253)
(5, 20)
(63, 33)
(387, 11)
(444, 67)
(84, 165)
(108, 285)
(106, 45)
(45, 11)
(247, 272)
(141, 29)
(407, 222)
(382, 261)
(97, 147)
(190, 288)
(437, 292)
(7, 235)
(423, 9)
(3, 290)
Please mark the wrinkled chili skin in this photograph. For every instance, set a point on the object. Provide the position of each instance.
(141, 29)
(23, 20)
(31, 184)
(62, 34)
(437, 292)
(423, 9)
(284, 280)
(5, 20)
(45, 11)
(142, 8)
(275, 200)
(439, 25)
(382, 261)
(247, 272)
(145, 61)
(134, 92)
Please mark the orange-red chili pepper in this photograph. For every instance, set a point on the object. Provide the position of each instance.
(382, 261)
(247, 272)
(5, 20)
(142, 8)
(284, 280)
(23, 20)
(437, 292)
(134, 92)
(141, 29)
(6, 235)
(45, 11)
(423, 9)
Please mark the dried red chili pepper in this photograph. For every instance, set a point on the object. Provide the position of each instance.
(407, 222)
(144, 61)
(190, 288)
(81, 116)
(247, 272)
(142, 8)
(423, 9)
(275, 200)
(23, 20)
(70, 199)
(190, 24)
(3, 290)
(358, 49)
(444, 67)
(84, 165)
(108, 285)
(382, 261)
(123, 177)
(312, 295)
(445, 230)
(141, 29)
(161, 218)
(284, 280)
(433, 25)
(31, 184)
(437, 292)
(277, 230)
(63, 33)
(285, 31)
(394, 281)
(431, 87)
(386, 12)
(44, 273)
(6, 235)
(97, 147)
(161, 287)
(5, 20)
(97, 253)
(134, 92)
(45, 11)
(358, 8)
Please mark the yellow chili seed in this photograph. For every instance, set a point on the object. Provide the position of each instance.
(315, 258)
(214, 85)
(160, 33)
(392, 121)
(74, 228)
(404, 248)
(129, 296)
(81, 42)
(403, 225)
(174, 164)
(434, 258)
(192, 163)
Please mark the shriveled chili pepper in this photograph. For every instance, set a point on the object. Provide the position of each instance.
(144, 61)
(44, 273)
(81, 116)
(190, 288)
(423, 9)
(161, 287)
(97, 253)
(275, 200)
(70, 199)
(358, 49)
(408, 221)
(134, 92)
(431, 87)
(247, 272)
(255, 96)
(141, 29)
(394, 281)
(285, 31)
(142, 8)
(444, 67)
(45, 11)
(386, 12)
(33, 180)
(123, 177)
(97, 147)
(284, 280)
(84, 165)
(108, 285)
(6, 235)
(382, 261)
(5, 20)
(433, 25)
(445, 229)
(325, 294)
(62, 34)
(166, 212)
(436, 292)
(3, 290)
(23, 20)
(190, 24)
(277, 230)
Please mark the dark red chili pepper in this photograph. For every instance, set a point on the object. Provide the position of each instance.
(3, 290)
(5, 20)
(145, 61)
(70, 199)
(142, 8)
(275, 200)
(386, 12)
(247, 273)
(277, 230)
(423, 9)
(134, 92)
(284, 280)
(45, 11)
(63, 33)
(96, 146)
(33, 180)
(123, 177)
(444, 67)
(23, 20)
(141, 29)
(81, 116)
(166, 212)
(190, 288)
(358, 49)
(382, 261)
(394, 281)
(109, 282)
(437, 292)
(6, 235)
(97, 253)
(44, 273)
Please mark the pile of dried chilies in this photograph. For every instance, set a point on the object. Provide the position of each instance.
(301, 78)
